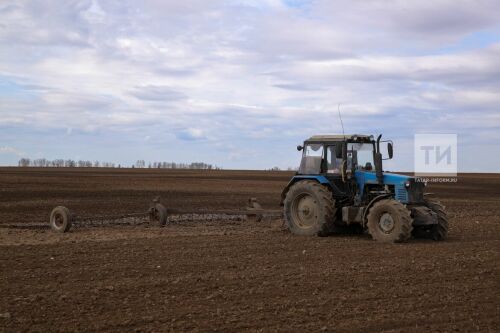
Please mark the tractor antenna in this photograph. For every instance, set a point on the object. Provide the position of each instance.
(341, 123)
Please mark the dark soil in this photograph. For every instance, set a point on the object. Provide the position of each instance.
(235, 275)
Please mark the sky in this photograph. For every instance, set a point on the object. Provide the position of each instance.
(240, 83)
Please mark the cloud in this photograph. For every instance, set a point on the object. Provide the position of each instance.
(11, 150)
(157, 94)
(458, 69)
(441, 20)
(247, 72)
(38, 23)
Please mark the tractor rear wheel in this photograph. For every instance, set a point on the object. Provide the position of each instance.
(309, 209)
(389, 221)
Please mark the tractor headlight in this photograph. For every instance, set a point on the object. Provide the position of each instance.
(407, 184)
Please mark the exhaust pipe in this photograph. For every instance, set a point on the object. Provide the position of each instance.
(378, 162)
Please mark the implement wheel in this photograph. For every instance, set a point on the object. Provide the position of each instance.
(389, 221)
(158, 214)
(309, 209)
(60, 219)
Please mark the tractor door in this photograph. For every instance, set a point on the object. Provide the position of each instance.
(334, 159)
(333, 167)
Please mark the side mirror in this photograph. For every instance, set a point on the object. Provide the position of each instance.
(389, 149)
(299, 147)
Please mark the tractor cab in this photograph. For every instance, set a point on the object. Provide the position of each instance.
(338, 154)
(346, 161)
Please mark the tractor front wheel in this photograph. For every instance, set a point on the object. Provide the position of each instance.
(439, 231)
(309, 209)
(389, 221)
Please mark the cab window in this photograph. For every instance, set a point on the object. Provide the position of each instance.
(312, 160)
(334, 159)
(314, 150)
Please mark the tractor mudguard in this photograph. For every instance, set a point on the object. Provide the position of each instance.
(371, 203)
(320, 179)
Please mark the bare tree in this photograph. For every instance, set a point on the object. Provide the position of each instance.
(24, 162)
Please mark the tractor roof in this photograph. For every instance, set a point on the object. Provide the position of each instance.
(341, 137)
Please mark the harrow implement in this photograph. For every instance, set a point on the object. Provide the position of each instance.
(62, 220)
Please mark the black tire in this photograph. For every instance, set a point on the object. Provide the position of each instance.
(309, 209)
(60, 219)
(439, 231)
(158, 214)
(389, 221)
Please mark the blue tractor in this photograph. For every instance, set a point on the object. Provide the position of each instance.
(340, 185)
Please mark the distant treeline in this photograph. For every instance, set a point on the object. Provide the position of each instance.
(174, 165)
(61, 163)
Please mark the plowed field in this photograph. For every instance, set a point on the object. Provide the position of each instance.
(235, 275)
